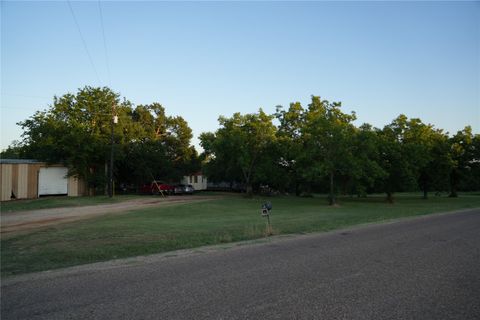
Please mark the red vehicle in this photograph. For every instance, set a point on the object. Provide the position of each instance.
(156, 186)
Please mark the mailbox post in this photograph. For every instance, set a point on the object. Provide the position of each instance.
(266, 207)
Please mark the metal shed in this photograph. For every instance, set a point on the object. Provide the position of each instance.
(29, 179)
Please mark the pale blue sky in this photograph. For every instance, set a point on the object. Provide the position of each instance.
(205, 59)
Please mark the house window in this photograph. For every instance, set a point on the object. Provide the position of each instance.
(196, 179)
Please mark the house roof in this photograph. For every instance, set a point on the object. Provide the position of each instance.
(19, 161)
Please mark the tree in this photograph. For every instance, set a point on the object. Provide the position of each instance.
(464, 154)
(13, 151)
(76, 131)
(424, 147)
(394, 159)
(289, 146)
(328, 137)
(434, 173)
(236, 150)
(365, 168)
(473, 178)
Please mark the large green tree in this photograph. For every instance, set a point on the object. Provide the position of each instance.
(465, 157)
(365, 169)
(317, 146)
(236, 150)
(395, 159)
(289, 147)
(328, 142)
(423, 149)
(414, 155)
(170, 139)
(434, 172)
(76, 131)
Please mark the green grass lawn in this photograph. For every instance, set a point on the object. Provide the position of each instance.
(162, 229)
(61, 201)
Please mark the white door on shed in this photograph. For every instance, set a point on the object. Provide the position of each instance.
(52, 180)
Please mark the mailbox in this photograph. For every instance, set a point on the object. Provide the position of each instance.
(266, 207)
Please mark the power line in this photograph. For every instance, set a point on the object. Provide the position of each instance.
(83, 41)
(104, 43)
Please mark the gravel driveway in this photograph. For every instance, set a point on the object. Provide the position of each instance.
(14, 222)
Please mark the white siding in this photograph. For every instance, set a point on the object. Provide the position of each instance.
(52, 180)
(201, 183)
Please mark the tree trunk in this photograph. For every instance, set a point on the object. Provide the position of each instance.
(425, 190)
(453, 185)
(107, 185)
(453, 193)
(249, 189)
(389, 197)
(331, 198)
(248, 175)
(424, 181)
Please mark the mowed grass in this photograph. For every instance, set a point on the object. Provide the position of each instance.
(60, 201)
(191, 225)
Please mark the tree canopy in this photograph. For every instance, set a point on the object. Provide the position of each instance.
(239, 148)
(317, 148)
(76, 131)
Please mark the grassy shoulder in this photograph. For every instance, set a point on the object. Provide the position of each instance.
(60, 202)
(154, 230)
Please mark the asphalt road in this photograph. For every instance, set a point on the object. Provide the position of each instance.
(423, 268)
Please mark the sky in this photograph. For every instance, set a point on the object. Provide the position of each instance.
(201, 60)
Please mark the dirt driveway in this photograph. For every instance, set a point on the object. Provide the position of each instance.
(14, 222)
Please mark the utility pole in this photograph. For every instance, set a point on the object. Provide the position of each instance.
(110, 178)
